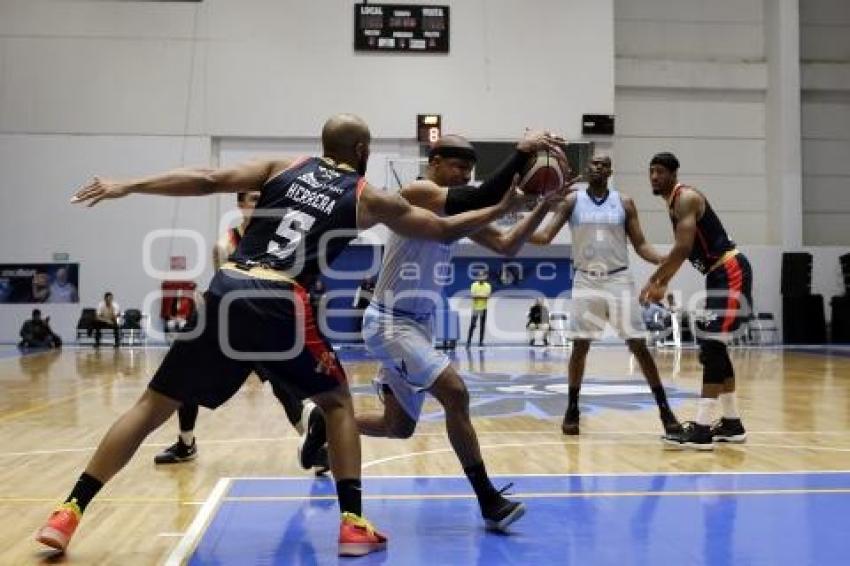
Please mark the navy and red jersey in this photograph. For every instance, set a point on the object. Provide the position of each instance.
(711, 240)
(306, 212)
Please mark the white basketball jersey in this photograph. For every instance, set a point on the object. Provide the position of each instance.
(413, 275)
(599, 233)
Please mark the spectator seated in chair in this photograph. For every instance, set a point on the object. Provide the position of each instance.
(36, 333)
(107, 319)
(183, 313)
(538, 319)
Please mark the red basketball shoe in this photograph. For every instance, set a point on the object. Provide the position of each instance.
(57, 531)
(357, 537)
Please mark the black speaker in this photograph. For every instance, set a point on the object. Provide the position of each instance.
(796, 274)
(803, 320)
(597, 125)
(840, 325)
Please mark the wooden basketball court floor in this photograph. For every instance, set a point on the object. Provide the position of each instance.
(610, 496)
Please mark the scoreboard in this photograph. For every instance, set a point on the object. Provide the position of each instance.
(401, 28)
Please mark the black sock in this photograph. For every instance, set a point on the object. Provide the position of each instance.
(84, 490)
(573, 396)
(661, 398)
(187, 415)
(481, 484)
(349, 493)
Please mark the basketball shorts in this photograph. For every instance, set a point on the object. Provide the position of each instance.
(249, 324)
(729, 298)
(611, 299)
(409, 362)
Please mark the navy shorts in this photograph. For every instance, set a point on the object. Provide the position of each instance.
(249, 324)
(730, 296)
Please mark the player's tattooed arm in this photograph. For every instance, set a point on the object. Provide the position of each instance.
(686, 210)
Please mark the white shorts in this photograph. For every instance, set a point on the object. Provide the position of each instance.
(409, 362)
(608, 299)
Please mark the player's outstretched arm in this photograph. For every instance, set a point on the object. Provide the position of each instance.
(249, 176)
(643, 248)
(377, 207)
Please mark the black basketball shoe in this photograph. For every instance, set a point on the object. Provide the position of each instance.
(670, 422)
(729, 430)
(315, 435)
(177, 453)
(693, 436)
(570, 424)
(501, 512)
(321, 465)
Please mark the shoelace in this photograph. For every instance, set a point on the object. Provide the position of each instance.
(504, 490)
(358, 521)
(71, 506)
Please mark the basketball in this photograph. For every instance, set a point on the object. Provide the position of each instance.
(543, 173)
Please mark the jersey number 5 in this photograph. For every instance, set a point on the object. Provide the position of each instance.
(291, 231)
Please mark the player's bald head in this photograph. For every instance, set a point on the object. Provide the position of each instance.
(342, 132)
(345, 139)
(603, 158)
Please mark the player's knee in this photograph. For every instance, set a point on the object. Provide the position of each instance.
(155, 408)
(451, 392)
(716, 365)
(455, 399)
(338, 399)
(401, 428)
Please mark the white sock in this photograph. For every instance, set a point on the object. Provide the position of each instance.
(706, 407)
(305, 412)
(729, 406)
(187, 437)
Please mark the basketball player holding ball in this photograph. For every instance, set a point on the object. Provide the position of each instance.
(603, 290)
(396, 325)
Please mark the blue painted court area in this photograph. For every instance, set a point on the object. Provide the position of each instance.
(693, 519)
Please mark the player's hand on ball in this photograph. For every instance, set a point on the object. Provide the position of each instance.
(540, 140)
(554, 198)
(99, 189)
(652, 293)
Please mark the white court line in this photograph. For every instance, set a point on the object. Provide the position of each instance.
(147, 445)
(587, 440)
(569, 474)
(396, 457)
(190, 539)
(586, 436)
